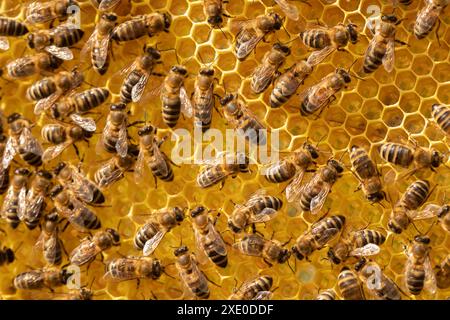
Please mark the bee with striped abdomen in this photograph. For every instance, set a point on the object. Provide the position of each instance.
(328, 294)
(139, 26)
(6, 256)
(441, 114)
(428, 16)
(267, 71)
(10, 28)
(130, 268)
(4, 172)
(41, 278)
(114, 169)
(349, 285)
(442, 272)
(49, 241)
(38, 12)
(105, 5)
(214, 12)
(254, 289)
(203, 98)
(30, 65)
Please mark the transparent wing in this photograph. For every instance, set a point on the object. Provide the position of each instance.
(4, 43)
(246, 47)
(111, 176)
(87, 124)
(319, 200)
(388, 59)
(368, 250)
(44, 104)
(255, 196)
(324, 237)
(263, 295)
(262, 77)
(139, 167)
(84, 253)
(153, 243)
(89, 44)
(430, 211)
(214, 237)
(430, 277)
(60, 52)
(294, 189)
(129, 68)
(287, 84)
(161, 159)
(122, 141)
(22, 203)
(318, 56)
(289, 9)
(80, 186)
(9, 153)
(138, 89)
(29, 143)
(34, 205)
(53, 151)
(107, 5)
(321, 88)
(263, 216)
(186, 104)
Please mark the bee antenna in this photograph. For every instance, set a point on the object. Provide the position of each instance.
(353, 63)
(320, 140)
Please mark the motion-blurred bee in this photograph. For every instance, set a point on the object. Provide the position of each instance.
(32, 203)
(174, 97)
(442, 272)
(360, 243)
(253, 31)
(62, 136)
(378, 284)
(130, 268)
(6, 256)
(219, 169)
(288, 9)
(42, 278)
(319, 234)
(203, 98)
(366, 172)
(271, 251)
(322, 94)
(151, 233)
(31, 65)
(4, 172)
(150, 24)
(113, 170)
(314, 193)
(138, 74)
(48, 90)
(418, 271)
(207, 239)
(382, 46)
(349, 285)
(69, 207)
(89, 248)
(427, 17)
(254, 289)
(294, 166)
(49, 241)
(441, 115)
(328, 39)
(21, 141)
(213, 10)
(38, 12)
(288, 82)
(328, 294)
(10, 28)
(268, 70)
(56, 41)
(105, 5)
(258, 208)
(243, 119)
(10, 205)
(192, 277)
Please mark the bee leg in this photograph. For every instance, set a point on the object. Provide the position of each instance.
(401, 42)
(268, 263)
(157, 74)
(156, 182)
(77, 152)
(437, 32)
(222, 183)
(138, 283)
(209, 280)
(65, 227)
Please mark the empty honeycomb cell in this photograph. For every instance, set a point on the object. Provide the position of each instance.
(398, 135)
(196, 13)
(334, 116)
(339, 139)
(351, 102)
(355, 125)
(393, 117)
(368, 88)
(403, 58)
(276, 118)
(405, 80)
(426, 87)
(441, 72)
(443, 93)
(348, 6)
(372, 109)
(200, 33)
(422, 65)
(179, 7)
(182, 27)
(414, 123)
(376, 131)
(409, 102)
(389, 95)
(185, 48)
(333, 15)
(438, 52)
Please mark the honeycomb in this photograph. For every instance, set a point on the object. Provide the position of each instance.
(382, 107)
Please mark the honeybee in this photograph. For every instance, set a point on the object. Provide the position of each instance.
(48, 90)
(443, 273)
(89, 248)
(349, 285)
(150, 24)
(4, 172)
(288, 82)
(360, 243)
(313, 194)
(442, 212)
(69, 207)
(6, 256)
(105, 5)
(378, 284)
(138, 74)
(207, 239)
(193, 278)
(319, 234)
(80, 294)
(289, 9)
(441, 115)
(10, 205)
(322, 94)
(32, 203)
(151, 233)
(328, 39)
(253, 31)
(213, 10)
(220, 168)
(382, 46)
(174, 97)
(114, 169)
(293, 166)
(42, 278)
(21, 141)
(243, 119)
(254, 289)
(62, 136)
(10, 28)
(268, 70)
(49, 241)
(203, 98)
(258, 208)
(80, 103)
(418, 271)
(271, 251)
(427, 17)
(56, 41)
(75, 180)
(31, 65)
(130, 268)
(114, 137)
(328, 294)
(366, 172)
(38, 12)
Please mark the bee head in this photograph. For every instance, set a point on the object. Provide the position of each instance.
(353, 148)
(9, 255)
(157, 268)
(86, 294)
(13, 117)
(422, 239)
(180, 251)
(394, 228)
(179, 69)
(118, 106)
(281, 47)
(389, 18)
(44, 174)
(115, 236)
(209, 72)
(148, 129)
(215, 20)
(60, 166)
(344, 74)
(22, 172)
(52, 216)
(332, 257)
(112, 17)
(376, 196)
(436, 158)
(167, 21)
(278, 21)
(179, 214)
(284, 256)
(443, 211)
(233, 228)
(56, 190)
(229, 97)
(55, 62)
(65, 275)
(197, 211)
(30, 40)
(351, 28)
(312, 151)
(297, 253)
(360, 264)
(336, 164)
(155, 54)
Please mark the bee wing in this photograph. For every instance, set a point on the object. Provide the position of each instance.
(4, 43)
(102, 55)
(369, 249)
(89, 44)
(186, 104)
(22, 203)
(44, 104)
(81, 187)
(289, 9)
(325, 236)
(62, 53)
(153, 243)
(318, 56)
(243, 48)
(87, 124)
(85, 252)
(40, 241)
(263, 295)
(53, 151)
(262, 77)
(29, 143)
(9, 153)
(255, 196)
(265, 215)
(107, 5)
(33, 205)
(311, 91)
(294, 189)
(113, 175)
(428, 212)
(214, 236)
(139, 167)
(318, 201)
(129, 68)
(430, 277)
(138, 89)
(122, 141)
(161, 159)
(389, 56)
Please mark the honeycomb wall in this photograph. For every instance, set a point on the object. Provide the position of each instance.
(382, 107)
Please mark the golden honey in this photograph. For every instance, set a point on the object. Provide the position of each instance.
(382, 107)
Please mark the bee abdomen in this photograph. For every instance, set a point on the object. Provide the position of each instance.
(218, 259)
(98, 197)
(31, 158)
(203, 117)
(130, 81)
(89, 99)
(101, 69)
(280, 172)
(365, 237)
(335, 222)
(54, 133)
(406, 2)
(397, 154)
(277, 98)
(327, 295)
(362, 164)
(442, 116)
(54, 255)
(11, 215)
(10, 27)
(268, 202)
(156, 170)
(349, 286)
(374, 58)
(171, 110)
(68, 37)
(4, 180)
(88, 219)
(317, 39)
(129, 30)
(415, 279)
(209, 177)
(145, 233)
(416, 194)
(41, 89)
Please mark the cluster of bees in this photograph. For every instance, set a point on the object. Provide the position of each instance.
(47, 197)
